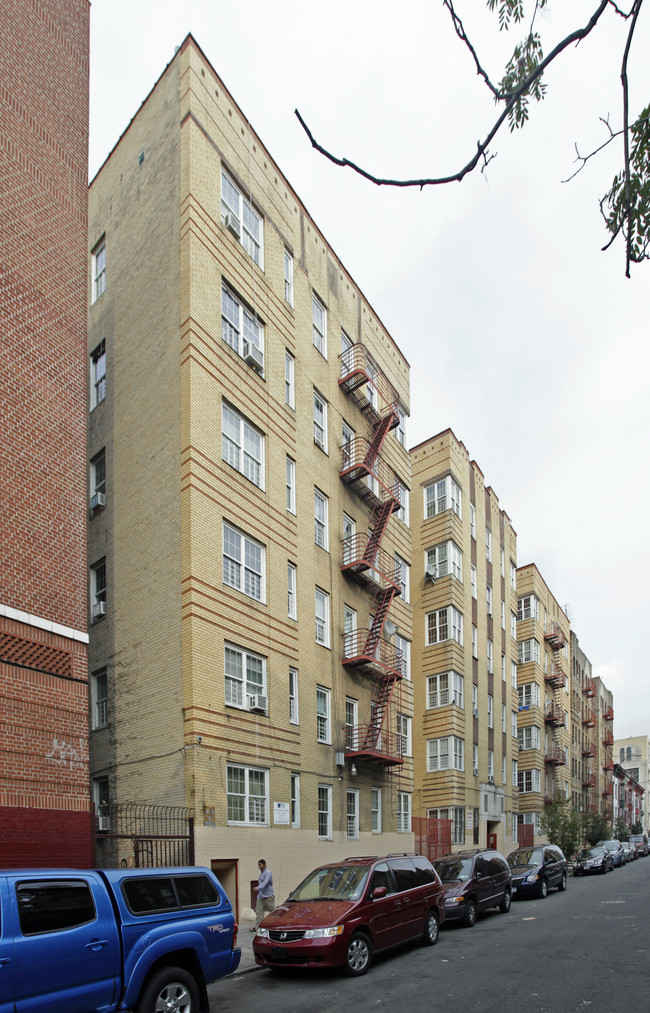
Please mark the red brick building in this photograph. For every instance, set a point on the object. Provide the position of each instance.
(45, 816)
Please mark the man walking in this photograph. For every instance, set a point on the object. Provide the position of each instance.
(265, 894)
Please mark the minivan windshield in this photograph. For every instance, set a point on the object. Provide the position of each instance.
(452, 870)
(526, 856)
(339, 882)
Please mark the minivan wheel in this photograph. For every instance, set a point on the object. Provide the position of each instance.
(470, 913)
(430, 937)
(504, 906)
(359, 955)
(543, 888)
(562, 884)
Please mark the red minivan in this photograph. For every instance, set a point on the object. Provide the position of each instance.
(344, 912)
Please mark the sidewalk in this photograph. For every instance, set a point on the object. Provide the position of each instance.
(245, 942)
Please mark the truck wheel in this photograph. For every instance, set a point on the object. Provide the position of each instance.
(169, 990)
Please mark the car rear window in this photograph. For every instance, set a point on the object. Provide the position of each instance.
(167, 893)
(424, 870)
(405, 873)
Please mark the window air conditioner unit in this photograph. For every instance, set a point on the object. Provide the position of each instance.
(476, 712)
(99, 609)
(103, 824)
(257, 704)
(430, 576)
(253, 355)
(233, 225)
(97, 502)
(475, 771)
(490, 779)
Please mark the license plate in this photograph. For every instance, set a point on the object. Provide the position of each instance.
(279, 952)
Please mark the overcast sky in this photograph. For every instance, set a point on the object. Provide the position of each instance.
(522, 336)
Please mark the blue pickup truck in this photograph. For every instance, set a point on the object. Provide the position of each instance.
(97, 941)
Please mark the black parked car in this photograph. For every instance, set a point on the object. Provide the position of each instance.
(474, 881)
(536, 869)
(596, 859)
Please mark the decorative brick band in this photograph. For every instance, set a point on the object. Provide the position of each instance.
(31, 654)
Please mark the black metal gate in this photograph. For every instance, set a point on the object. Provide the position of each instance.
(140, 835)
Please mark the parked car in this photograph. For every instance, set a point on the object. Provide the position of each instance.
(616, 851)
(344, 912)
(640, 842)
(474, 881)
(536, 869)
(595, 859)
(629, 851)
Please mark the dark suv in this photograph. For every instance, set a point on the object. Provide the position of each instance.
(536, 869)
(474, 881)
(344, 912)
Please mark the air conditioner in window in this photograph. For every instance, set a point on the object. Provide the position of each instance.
(253, 355)
(99, 609)
(476, 712)
(475, 771)
(233, 225)
(430, 576)
(103, 824)
(490, 779)
(97, 502)
(257, 704)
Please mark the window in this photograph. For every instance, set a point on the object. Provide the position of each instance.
(295, 801)
(513, 674)
(474, 641)
(514, 731)
(289, 380)
(375, 810)
(99, 699)
(444, 559)
(242, 446)
(529, 780)
(514, 765)
(288, 277)
(245, 677)
(294, 716)
(490, 711)
(456, 814)
(444, 624)
(323, 715)
(98, 589)
(98, 481)
(321, 519)
(488, 545)
(472, 520)
(243, 563)
(319, 325)
(291, 591)
(320, 421)
(291, 485)
(99, 270)
(528, 695)
(101, 799)
(527, 607)
(503, 615)
(46, 906)
(513, 575)
(404, 646)
(400, 430)
(325, 811)
(502, 561)
(528, 650)
(352, 827)
(446, 753)
(529, 738)
(490, 764)
(240, 218)
(488, 598)
(444, 689)
(98, 375)
(442, 495)
(403, 573)
(513, 625)
(346, 345)
(404, 735)
(475, 700)
(322, 618)
(490, 656)
(403, 812)
(504, 719)
(347, 445)
(247, 790)
(351, 723)
(503, 667)
(473, 582)
(403, 496)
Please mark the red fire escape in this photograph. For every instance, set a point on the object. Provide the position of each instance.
(363, 558)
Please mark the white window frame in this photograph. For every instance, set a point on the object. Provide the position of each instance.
(319, 325)
(403, 735)
(472, 521)
(514, 730)
(351, 723)
(98, 590)
(101, 800)
(488, 545)
(244, 679)
(403, 812)
(289, 380)
(445, 753)
(513, 625)
(527, 607)
(490, 711)
(352, 814)
(529, 781)
(323, 715)
(444, 624)
(295, 801)
(527, 651)
(322, 617)
(474, 641)
(528, 695)
(404, 645)
(403, 576)
(238, 564)
(502, 561)
(239, 324)
(375, 810)
(513, 674)
(403, 496)
(400, 429)
(488, 598)
(320, 421)
(292, 591)
(99, 698)
(294, 707)
(98, 269)
(474, 582)
(291, 485)
(98, 374)
(503, 615)
(234, 203)
(529, 738)
(321, 519)
(444, 559)
(325, 812)
(490, 656)
(288, 277)
(443, 494)
(242, 445)
(445, 688)
(256, 807)
(513, 575)
(98, 474)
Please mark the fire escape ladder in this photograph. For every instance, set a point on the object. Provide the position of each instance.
(383, 602)
(380, 708)
(378, 438)
(376, 533)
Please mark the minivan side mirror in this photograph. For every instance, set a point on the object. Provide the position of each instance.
(379, 891)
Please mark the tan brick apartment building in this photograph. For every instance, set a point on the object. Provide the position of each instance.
(44, 802)
(592, 739)
(249, 548)
(464, 648)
